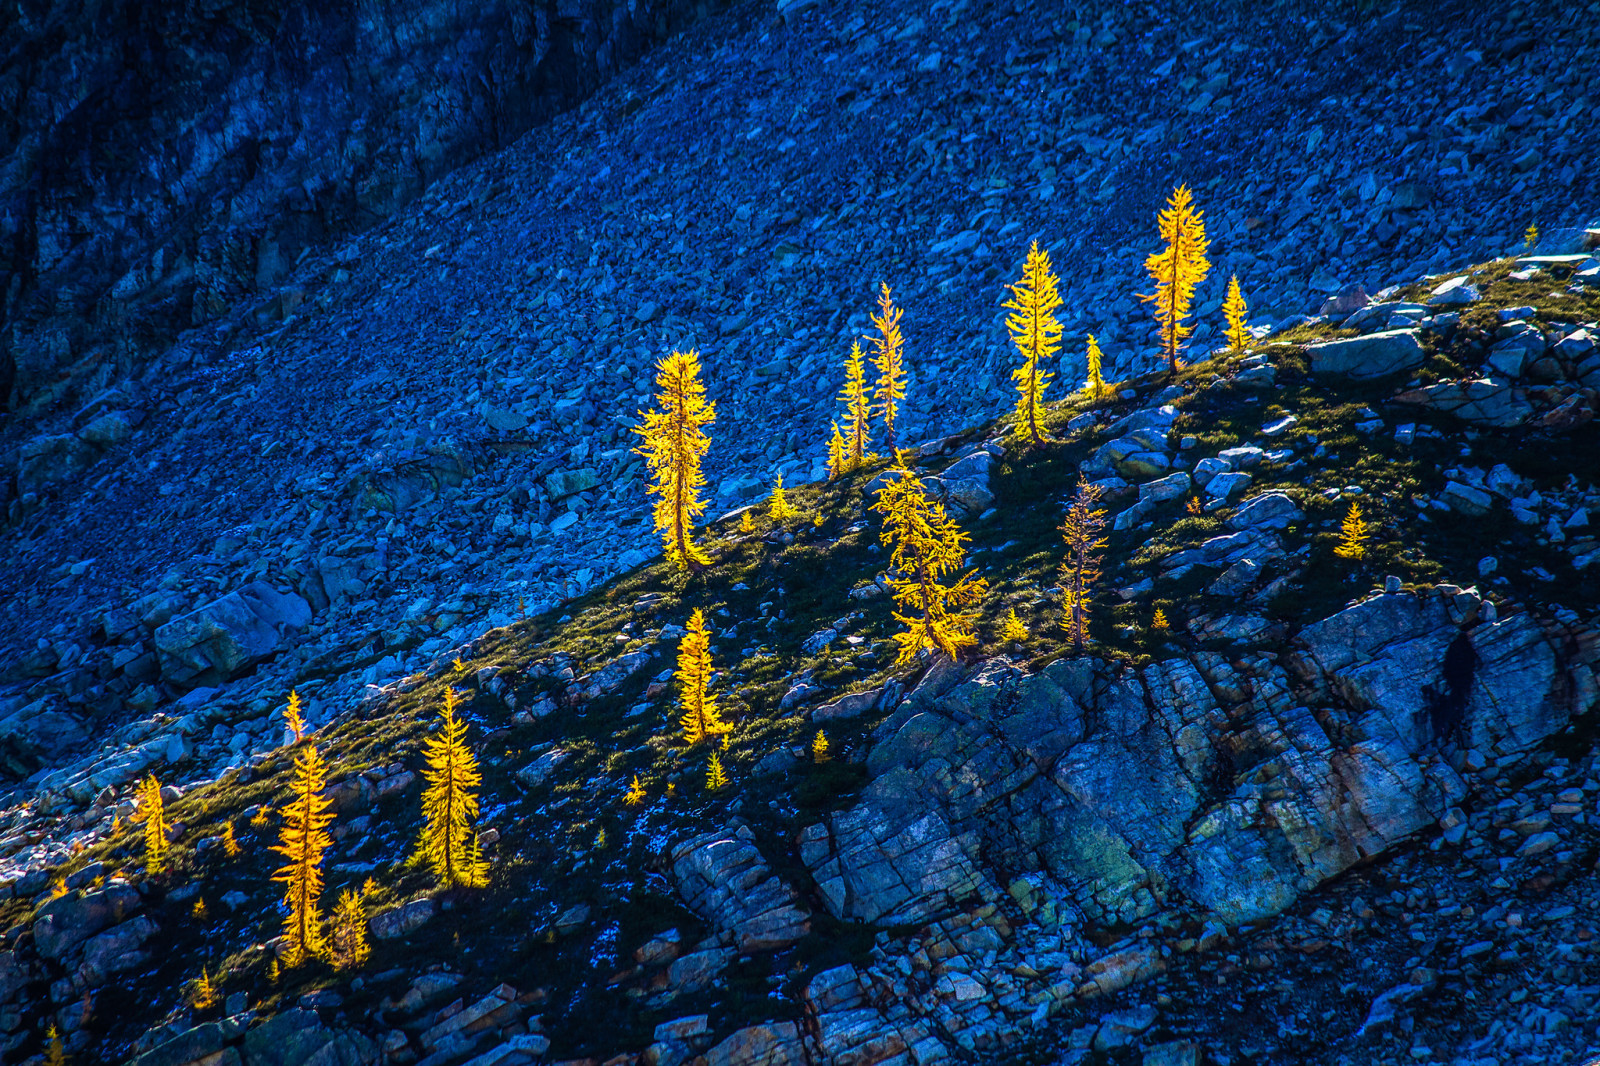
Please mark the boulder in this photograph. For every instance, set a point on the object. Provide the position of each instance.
(200, 1044)
(398, 921)
(1375, 355)
(724, 879)
(852, 705)
(537, 772)
(229, 635)
(108, 429)
(117, 949)
(1482, 402)
(695, 971)
(1466, 499)
(297, 1038)
(1168, 488)
(66, 922)
(769, 1044)
(46, 461)
(1271, 510)
(1453, 292)
(1226, 486)
(567, 482)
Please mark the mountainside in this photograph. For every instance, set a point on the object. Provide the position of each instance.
(1332, 810)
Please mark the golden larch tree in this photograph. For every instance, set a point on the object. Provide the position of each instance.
(302, 839)
(1158, 621)
(293, 719)
(450, 802)
(1012, 630)
(1037, 335)
(1354, 533)
(636, 794)
(674, 444)
(153, 813)
(819, 748)
(230, 843)
(1082, 527)
(1530, 237)
(54, 1053)
(1096, 383)
(925, 548)
(349, 947)
(779, 509)
(1177, 270)
(716, 777)
(1233, 309)
(857, 409)
(699, 718)
(838, 454)
(890, 348)
(202, 992)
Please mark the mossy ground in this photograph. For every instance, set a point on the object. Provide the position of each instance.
(573, 840)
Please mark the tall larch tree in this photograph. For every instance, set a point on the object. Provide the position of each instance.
(1096, 384)
(450, 803)
(857, 409)
(1082, 529)
(890, 359)
(349, 948)
(1037, 335)
(302, 839)
(1177, 270)
(153, 813)
(699, 716)
(1354, 533)
(1233, 309)
(926, 547)
(293, 719)
(674, 444)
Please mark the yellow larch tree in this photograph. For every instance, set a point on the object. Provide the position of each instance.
(857, 402)
(674, 444)
(838, 454)
(819, 748)
(202, 992)
(1354, 532)
(302, 839)
(636, 794)
(890, 348)
(926, 547)
(716, 777)
(747, 524)
(779, 509)
(700, 718)
(1530, 237)
(153, 814)
(1177, 270)
(293, 719)
(1037, 335)
(1233, 309)
(1096, 384)
(230, 844)
(1158, 621)
(1012, 630)
(349, 946)
(450, 802)
(1082, 527)
(54, 1053)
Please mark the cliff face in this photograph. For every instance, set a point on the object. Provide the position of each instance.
(160, 163)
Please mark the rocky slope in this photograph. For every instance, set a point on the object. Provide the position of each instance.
(393, 454)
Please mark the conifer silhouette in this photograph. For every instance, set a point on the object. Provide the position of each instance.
(1233, 309)
(1176, 270)
(302, 839)
(292, 718)
(153, 814)
(450, 803)
(890, 347)
(1081, 529)
(674, 444)
(1037, 335)
(857, 433)
(349, 947)
(1096, 385)
(926, 547)
(838, 454)
(1354, 531)
(699, 718)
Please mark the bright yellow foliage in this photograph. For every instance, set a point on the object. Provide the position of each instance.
(700, 718)
(857, 434)
(1354, 531)
(1096, 384)
(1158, 622)
(838, 454)
(1012, 631)
(1082, 527)
(349, 947)
(1036, 333)
(230, 845)
(54, 1053)
(819, 748)
(202, 993)
(716, 778)
(746, 523)
(302, 838)
(292, 717)
(1233, 309)
(889, 346)
(154, 816)
(635, 794)
(1177, 269)
(198, 911)
(1530, 237)
(926, 547)
(262, 818)
(779, 509)
(674, 444)
(450, 803)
